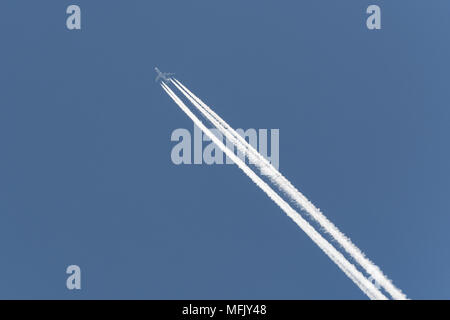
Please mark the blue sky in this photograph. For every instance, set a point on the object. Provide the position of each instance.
(86, 176)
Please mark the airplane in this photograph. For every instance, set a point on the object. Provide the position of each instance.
(164, 76)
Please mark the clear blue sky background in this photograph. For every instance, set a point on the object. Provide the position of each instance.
(86, 176)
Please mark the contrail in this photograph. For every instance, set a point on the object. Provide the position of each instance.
(295, 195)
(349, 269)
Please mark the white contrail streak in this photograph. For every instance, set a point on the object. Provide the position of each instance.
(295, 195)
(349, 269)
